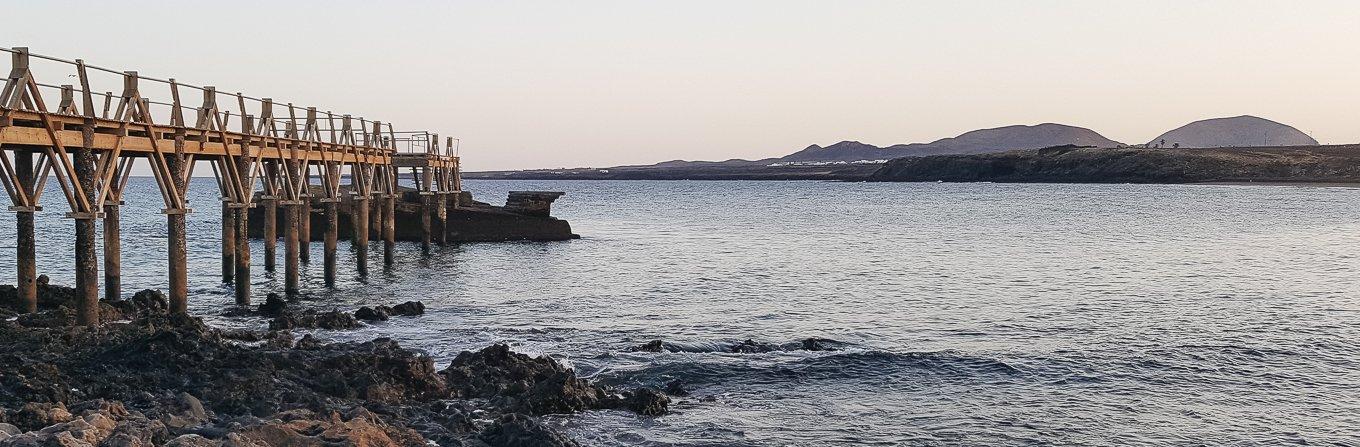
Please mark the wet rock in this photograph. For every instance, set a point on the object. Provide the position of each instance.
(370, 314)
(409, 309)
(749, 346)
(280, 339)
(311, 319)
(651, 346)
(646, 402)
(308, 342)
(525, 384)
(274, 305)
(818, 344)
(145, 302)
(676, 388)
(517, 430)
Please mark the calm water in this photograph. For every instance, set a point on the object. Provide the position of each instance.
(974, 314)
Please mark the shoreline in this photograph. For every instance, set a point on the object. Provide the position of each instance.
(172, 380)
(1331, 165)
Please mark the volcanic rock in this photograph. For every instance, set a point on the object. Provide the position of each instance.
(370, 314)
(515, 430)
(311, 319)
(409, 308)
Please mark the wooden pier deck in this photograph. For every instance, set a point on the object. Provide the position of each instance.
(90, 141)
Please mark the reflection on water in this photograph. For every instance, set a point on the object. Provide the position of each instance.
(972, 313)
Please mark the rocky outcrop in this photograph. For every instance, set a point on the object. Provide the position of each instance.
(168, 379)
(1134, 165)
(538, 385)
(111, 424)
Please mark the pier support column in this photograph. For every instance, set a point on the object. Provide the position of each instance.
(87, 258)
(242, 213)
(228, 241)
(177, 240)
(113, 253)
(361, 219)
(26, 249)
(375, 219)
(179, 261)
(331, 239)
(242, 255)
(426, 209)
(450, 204)
(271, 232)
(441, 214)
(354, 224)
(290, 248)
(389, 229)
(304, 219)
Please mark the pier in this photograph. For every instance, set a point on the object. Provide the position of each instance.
(90, 141)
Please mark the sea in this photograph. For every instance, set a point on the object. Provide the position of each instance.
(955, 314)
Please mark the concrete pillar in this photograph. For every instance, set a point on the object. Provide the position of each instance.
(331, 239)
(441, 214)
(271, 232)
(426, 211)
(361, 235)
(228, 241)
(389, 229)
(305, 230)
(242, 255)
(375, 215)
(354, 223)
(26, 247)
(450, 204)
(176, 241)
(113, 253)
(332, 236)
(242, 214)
(87, 259)
(290, 249)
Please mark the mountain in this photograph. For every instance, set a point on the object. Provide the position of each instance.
(975, 142)
(1240, 131)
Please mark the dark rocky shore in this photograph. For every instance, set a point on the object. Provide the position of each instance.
(1071, 164)
(150, 378)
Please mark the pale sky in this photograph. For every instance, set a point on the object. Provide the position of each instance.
(542, 84)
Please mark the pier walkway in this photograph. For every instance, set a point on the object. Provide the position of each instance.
(89, 142)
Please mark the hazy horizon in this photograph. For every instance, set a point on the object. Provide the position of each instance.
(604, 83)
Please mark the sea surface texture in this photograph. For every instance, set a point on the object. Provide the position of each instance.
(960, 314)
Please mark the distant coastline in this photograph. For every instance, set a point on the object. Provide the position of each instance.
(1333, 165)
(1338, 164)
(716, 171)
(1224, 146)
